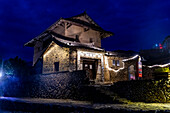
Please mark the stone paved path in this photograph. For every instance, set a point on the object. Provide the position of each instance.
(11, 103)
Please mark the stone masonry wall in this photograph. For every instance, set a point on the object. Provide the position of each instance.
(121, 75)
(60, 85)
(54, 54)
(144, 90)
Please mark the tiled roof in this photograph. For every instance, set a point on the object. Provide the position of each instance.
(88, 25)
(121, 53)
(77, 44)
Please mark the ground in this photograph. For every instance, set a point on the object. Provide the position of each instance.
(67, 105)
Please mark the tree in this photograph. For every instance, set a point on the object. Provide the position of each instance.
(17, 67)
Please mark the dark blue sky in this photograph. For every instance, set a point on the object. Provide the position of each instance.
(137, 24)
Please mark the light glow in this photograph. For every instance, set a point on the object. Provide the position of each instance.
(107, 66)
(87, 54)
(124, 60)
(164, 65)
(0, 74)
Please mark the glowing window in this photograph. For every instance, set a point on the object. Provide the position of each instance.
(118, 63)
(86, 65)
(91, 67)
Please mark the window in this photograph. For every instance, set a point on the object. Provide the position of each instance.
(118, 63)
(86, 65)
(38, 48)
(77, 38)
(56, 65)
(113, 62)
(91, 67)
(91, 40)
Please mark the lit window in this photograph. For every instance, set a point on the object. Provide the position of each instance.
(86, 65)
(113, 62)
(118, 63)
(91, 67)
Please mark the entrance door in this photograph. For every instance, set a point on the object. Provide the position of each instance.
(90, 67)
(131, 71)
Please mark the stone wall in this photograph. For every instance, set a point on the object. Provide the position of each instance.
(56, 53)
(60, 85)
(123, 73)
(143, 90)
(147, 73)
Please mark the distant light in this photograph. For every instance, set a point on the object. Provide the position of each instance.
(0, 74)
(156, 45)
(160, 46)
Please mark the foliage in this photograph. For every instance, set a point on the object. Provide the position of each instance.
(163, 69)
(17, 67)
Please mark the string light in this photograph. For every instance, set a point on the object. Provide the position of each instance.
(157, 65)
(89, 54)
(124, 60)
(107, 66)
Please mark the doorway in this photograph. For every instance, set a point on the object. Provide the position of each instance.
(131, 72)
(90, 66)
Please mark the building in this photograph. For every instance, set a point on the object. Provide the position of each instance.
(74, 43)
(156, 59)
(159, 54)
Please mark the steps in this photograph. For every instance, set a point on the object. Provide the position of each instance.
(106, 90)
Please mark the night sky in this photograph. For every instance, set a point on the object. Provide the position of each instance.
(137, 24)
